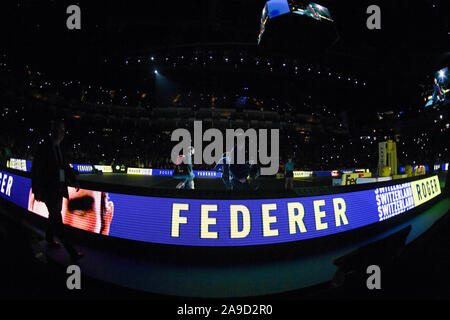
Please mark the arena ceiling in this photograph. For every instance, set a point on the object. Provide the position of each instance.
(413, 40)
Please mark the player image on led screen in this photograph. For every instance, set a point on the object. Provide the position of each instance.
(86, 209)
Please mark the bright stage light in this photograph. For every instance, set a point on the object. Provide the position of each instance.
(155, 71)
(442, 74)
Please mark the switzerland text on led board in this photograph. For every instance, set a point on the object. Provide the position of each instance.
(199, 222)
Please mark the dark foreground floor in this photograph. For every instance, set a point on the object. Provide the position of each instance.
(421, 272)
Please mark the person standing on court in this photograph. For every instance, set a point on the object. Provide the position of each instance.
(289, 175)
(50, 177)
(188, 179)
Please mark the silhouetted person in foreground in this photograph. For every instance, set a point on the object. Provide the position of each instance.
(50, 177)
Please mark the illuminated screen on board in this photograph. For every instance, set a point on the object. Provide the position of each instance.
(198, 222)
(276, 8)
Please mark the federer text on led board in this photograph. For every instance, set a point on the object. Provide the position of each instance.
(220, 222)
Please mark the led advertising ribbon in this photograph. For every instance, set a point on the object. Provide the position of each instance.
(198, 222)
